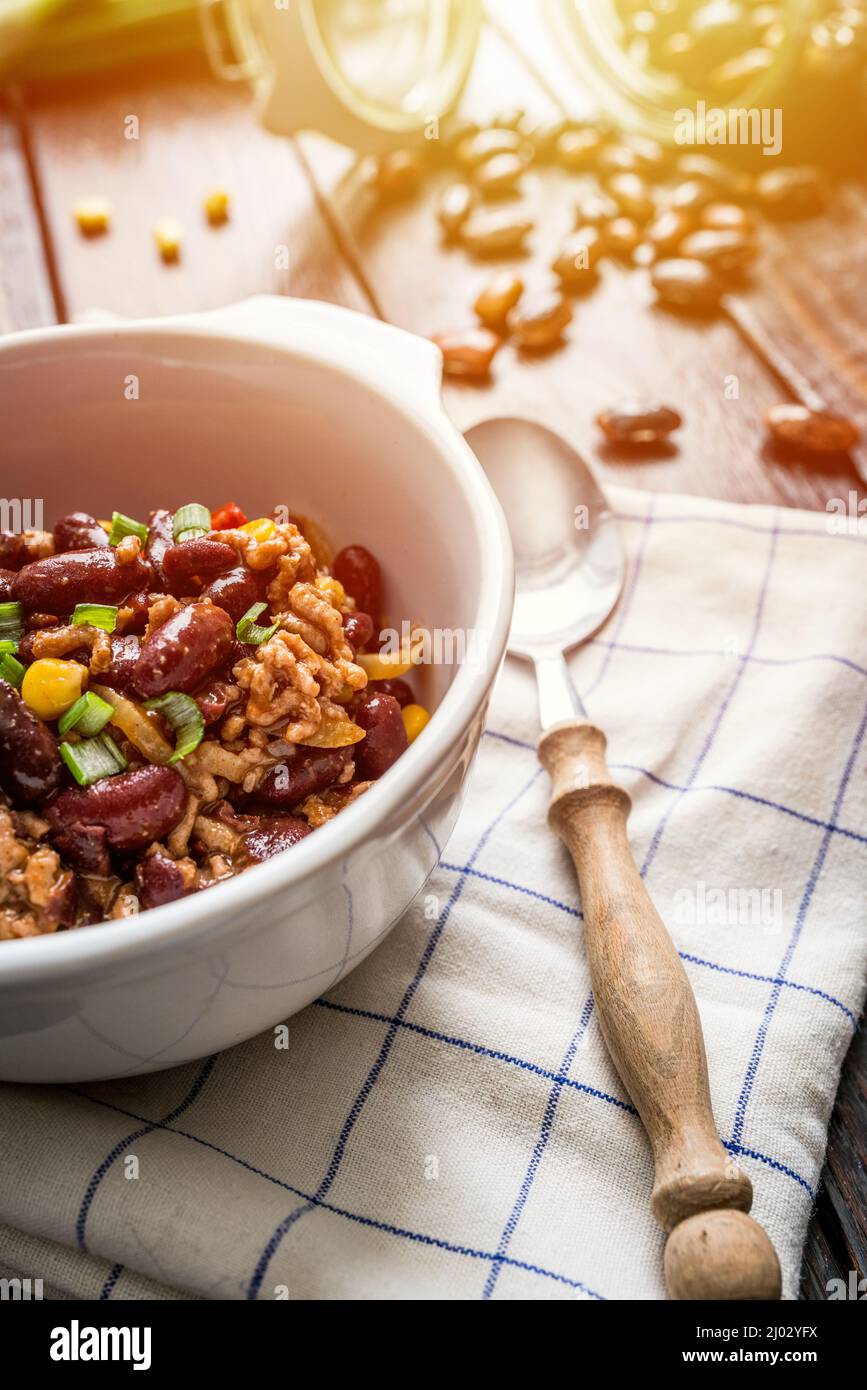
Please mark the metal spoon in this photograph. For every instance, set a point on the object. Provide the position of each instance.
(570, 569)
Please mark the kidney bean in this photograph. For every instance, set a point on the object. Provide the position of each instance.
(622, 236)
(84, 846)
(394, 686)
(159, 880)
(723, 178)
(38, 622)
(633, 195)
(7, 579)
(57, 583)
(455, 206)
(690, 196)
(357, 629)
(135, 808)
(160, 537)
(595, 209)
(13, 551)
(237, 590)
(499, 295)
(125, 652)
(495, 233)
(467, 352)
(79, 531)
(794, 192)
(476, 149)
(668, 229)
(213, 701)
(273, 835)
(200, 559)
(379, 715)
(724, 250)
(139, 604)
(62, 901)
(397, 175)
(638, 422)
(184, 650)
(817, 431)
(361, 577)
(579, 149)
(498, 176)
(575, 264)
(310, 772)
(690, 286)
(539, 320)
(727, 217)
(29, 763)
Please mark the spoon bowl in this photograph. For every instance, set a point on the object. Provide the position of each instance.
(569, 559)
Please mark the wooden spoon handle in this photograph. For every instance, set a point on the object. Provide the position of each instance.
(650, 1022)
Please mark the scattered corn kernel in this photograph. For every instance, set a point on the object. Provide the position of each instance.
(93, 215)
(262, 529)
(51, 686)
(414, 719)
(383, 668)
(333, 590)
(216, 206)
(106, 525)
(168, 235)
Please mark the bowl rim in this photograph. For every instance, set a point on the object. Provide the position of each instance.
(53, 956)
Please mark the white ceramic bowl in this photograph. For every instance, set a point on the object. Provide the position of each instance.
(338, 416)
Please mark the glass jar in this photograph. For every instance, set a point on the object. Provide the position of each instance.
(375, 73)
(650, 61)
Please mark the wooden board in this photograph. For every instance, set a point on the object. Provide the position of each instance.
(619, 345)
(26, 296)
(68, 140)
(193, 135)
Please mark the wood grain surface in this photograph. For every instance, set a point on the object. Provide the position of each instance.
(60, 142)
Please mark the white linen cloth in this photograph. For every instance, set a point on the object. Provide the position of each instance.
(446, 1124)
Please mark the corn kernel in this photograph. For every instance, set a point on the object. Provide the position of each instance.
(93, 215)
(383, 668)
(168, 235)
(262, 529)
(51, 686)
(106, 525)
(414, 719)
(216, 206)
(332, 589)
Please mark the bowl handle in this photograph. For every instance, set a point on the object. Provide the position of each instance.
(395, 361)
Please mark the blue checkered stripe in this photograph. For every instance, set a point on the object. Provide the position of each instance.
(473, 1038)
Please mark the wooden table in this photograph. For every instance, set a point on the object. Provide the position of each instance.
(62, 141)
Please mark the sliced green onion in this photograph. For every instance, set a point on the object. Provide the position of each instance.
(248, 630)
(93, 759)
(11, 669)
(88, 716)
(123, 526)
(7, 646)
(184, 716)
(190, 521)
(11, 622)
(102, 615)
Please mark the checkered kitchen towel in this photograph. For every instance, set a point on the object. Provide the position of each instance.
(446, 1123)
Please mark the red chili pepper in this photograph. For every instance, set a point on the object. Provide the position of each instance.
(227, 517)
